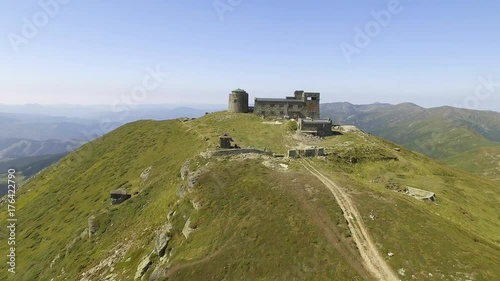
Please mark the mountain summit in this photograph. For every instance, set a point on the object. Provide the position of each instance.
(184, 209)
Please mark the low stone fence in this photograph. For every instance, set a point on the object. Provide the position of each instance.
(227, 152)
(307, 152)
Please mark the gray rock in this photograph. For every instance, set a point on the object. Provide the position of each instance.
(158, 274)
(186, 231)
(162, 239)
(143, 267)
(93, 226)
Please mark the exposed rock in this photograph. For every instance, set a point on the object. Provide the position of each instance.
(191, 181)
(70, 245)
(162, 239)
(170, 215)
(54, 260)
(84, 233)
(186, 231)
(145, 173)
(110, 277)
(420, 193)
(158, 274)
(390, 254)
(143, 267)
(99, 272)
(196, 205)
(185, 170)
(93, 226)
(401, 271)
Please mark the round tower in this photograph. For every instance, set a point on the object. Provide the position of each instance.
(238, 101)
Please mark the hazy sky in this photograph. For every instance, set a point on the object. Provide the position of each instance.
(96, 52)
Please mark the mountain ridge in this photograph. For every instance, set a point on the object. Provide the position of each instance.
(448, 134)
(248, 217)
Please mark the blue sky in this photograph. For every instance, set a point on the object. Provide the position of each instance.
(93, 52)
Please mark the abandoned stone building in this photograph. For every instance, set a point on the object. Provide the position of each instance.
(119, 196)
(301, 105)
(320, 127)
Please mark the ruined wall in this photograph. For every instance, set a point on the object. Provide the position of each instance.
(226, 152)
(311, 105)
(279, 109)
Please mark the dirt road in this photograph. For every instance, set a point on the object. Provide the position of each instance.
(372, 259)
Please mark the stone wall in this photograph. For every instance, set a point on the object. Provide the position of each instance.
(308, 152)
(292, 108)
(227, 152)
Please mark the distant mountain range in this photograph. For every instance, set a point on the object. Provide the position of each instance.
(463, 138)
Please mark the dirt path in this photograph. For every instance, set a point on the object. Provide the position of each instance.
(372, 259)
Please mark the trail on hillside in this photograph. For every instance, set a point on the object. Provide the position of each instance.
(372, 259)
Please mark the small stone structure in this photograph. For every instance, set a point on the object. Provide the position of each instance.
(320, 127)
(225, 141)
(420, 193)
(119, 196)
(307, 152)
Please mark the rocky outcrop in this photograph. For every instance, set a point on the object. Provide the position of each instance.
(162, 239)
(93, 226)
(145, 173)
(186, 231)
(185, 170)
(143, 267)
(190, 182)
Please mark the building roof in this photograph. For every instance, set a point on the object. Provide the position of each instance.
(120, 191)
(239, 91)
(277, 100)
(316, 122)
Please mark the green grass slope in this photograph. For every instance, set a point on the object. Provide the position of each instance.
(458, 137)
(249, 218)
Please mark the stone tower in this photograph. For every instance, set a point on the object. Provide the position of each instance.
(238, 101)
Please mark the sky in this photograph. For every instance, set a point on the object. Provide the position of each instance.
(431, 53)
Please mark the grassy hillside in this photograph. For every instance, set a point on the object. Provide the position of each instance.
(247, 217)
(466, 139)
